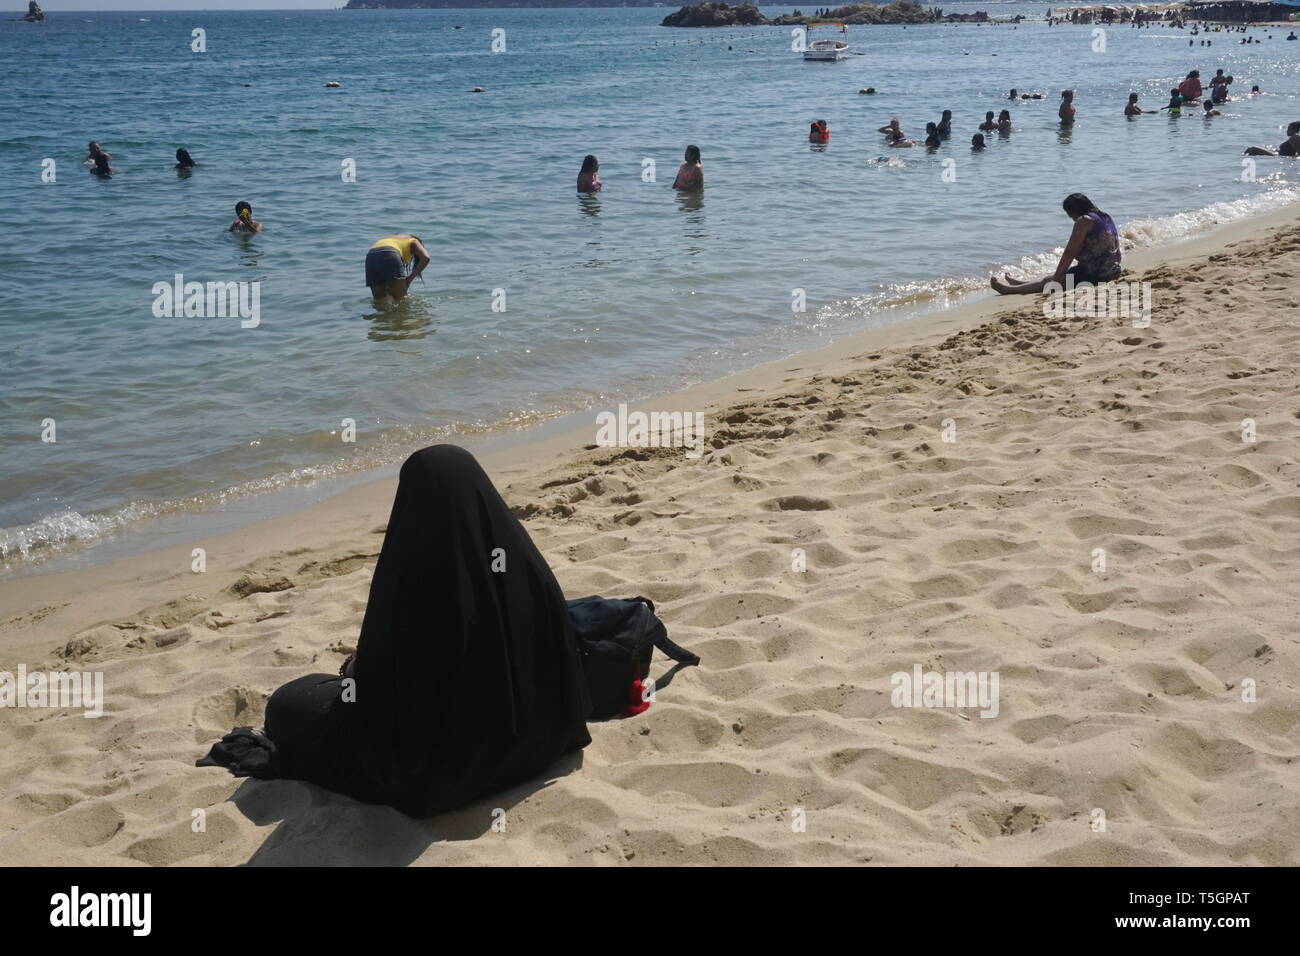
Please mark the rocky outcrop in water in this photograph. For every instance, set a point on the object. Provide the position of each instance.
(748, 15)
(716, 15)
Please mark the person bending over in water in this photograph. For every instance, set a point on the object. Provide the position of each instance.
(588, 178)
(1004, 121)
(990, 124)
(1066, 110)
(245, 221)
(387, 263)
(467, 677)
(1210, 110)
(690, 174)
(184, 160)
(1133, 109)
(977, 142)
(1094, 243)
(1290, 147)
(1190, 88)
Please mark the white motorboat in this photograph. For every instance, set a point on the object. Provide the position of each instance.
(825, 50)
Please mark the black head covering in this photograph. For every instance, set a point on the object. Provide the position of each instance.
(467, 679)
(465, 675)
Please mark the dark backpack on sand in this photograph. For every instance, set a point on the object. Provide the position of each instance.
(616, 639)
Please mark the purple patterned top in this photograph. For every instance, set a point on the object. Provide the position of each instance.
(1099, 256)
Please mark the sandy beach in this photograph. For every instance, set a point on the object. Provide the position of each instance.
(945, 486)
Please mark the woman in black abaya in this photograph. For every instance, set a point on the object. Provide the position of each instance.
(466, 677)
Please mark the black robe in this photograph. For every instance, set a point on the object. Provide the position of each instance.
(467, 679)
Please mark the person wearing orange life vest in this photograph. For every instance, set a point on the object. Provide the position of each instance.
(820, 132)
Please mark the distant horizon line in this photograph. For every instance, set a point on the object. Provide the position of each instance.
(830, 4)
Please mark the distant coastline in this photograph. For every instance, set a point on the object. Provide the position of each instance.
(748, 15)
(704, 14)
(490, 4)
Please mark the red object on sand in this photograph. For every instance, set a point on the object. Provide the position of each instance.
(635, 702)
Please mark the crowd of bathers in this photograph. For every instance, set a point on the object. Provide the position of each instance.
(396, 260)
(1187, 95)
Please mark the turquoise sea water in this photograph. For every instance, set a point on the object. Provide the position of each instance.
(633, 293)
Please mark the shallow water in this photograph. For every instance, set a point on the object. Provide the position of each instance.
(632, 293)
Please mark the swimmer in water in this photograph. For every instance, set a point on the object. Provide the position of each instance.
(1291, 147)
(977, 142)
(1210, 110)
(932, 137)
(989, 124)
(1013, 95)
(101, 167)
(892, 129)
(1066, 110)
(1094, 242)
(387, 263)
(92, 159)
(1133, 109)
(690, 174)
(1004, 122)
(945, 124)
(184, 160)
(588, 176)
(245, 221)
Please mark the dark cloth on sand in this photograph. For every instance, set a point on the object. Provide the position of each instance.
(467, 679)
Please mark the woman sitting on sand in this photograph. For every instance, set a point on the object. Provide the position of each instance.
(690, 175)
(1291, 147)
(466, 677)
(1094, 243)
